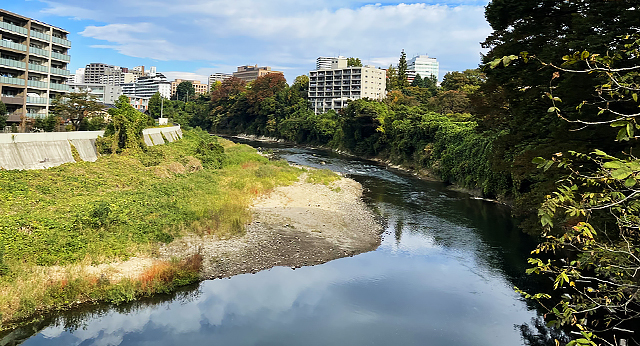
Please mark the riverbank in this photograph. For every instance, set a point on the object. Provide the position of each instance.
(114, 230)
(421, 173)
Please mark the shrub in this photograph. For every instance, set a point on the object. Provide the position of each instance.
(210, 153)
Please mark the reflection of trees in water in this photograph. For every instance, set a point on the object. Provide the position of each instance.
(538, 334)
(77, 318)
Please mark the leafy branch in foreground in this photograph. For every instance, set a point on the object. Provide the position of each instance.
(592, 222)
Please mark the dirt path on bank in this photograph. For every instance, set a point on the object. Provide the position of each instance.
(298, 225)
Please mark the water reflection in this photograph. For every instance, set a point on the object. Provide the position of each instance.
(442, 276)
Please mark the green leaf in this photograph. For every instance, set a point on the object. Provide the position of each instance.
(600, 152)
(635, 97)
(553, 109)
(584, 55)
(538, 160)
(619, 123)
(621, 173)
(613, 164)
(630, 182)
(622, 135)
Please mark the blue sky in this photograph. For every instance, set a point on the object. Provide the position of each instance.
(196, 38)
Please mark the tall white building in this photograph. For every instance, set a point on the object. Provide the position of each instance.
(326, 63)
(140, 92)
(333, 88)
(422, 65)
(78, 77)
(218, 77)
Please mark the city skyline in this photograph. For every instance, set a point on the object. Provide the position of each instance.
(193, 41)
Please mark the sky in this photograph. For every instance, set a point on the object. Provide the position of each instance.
(195, 38)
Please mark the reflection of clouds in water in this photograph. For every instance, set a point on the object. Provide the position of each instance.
(374, 298)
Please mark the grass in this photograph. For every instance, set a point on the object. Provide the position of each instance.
(322, 176)
(121, 206)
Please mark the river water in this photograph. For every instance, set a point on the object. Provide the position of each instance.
(443, 275)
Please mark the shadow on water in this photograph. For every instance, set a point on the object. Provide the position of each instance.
(443, 275)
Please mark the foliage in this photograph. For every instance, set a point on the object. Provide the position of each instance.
(50, 123)
(155, 105)
(354, 62)
(185, 91)
(125, 129)
(3, 115)
(75, 107)
(402, 71)
(210, 153)
(591, 222)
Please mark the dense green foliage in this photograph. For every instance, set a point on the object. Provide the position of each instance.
(77, 107)
(3, 115)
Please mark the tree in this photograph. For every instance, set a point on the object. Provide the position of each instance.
(125, 130)
(402, 71)
(75, 107)
(185, 90)
(469, 80)
(301, 86)
(392, 78)
(48, 123)
(355, 62)
(3, 115)
(417, 81)
(155, 105)
(592, 222)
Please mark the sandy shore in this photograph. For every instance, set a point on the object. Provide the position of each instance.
(298, 225)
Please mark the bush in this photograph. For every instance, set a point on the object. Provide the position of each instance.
(210, 153)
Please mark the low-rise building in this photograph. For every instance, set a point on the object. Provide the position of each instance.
(140, 92)
(250, 73)
(106, 94)
(333, 88)
(199, 87)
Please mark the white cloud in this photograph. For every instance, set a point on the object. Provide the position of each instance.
(285, 33)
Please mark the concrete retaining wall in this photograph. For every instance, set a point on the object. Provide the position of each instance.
(50, 149)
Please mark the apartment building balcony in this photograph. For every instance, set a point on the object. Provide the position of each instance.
(38, 51)
(60, 72)
(60, 56)
(12, 63)
(40, 36)
(12, 80)
(59, 86)
(15, 116)
(13, 28)
(13, 45)
(38, 68)
(12, 100)
(36, 115)
(37, 84)
(61, 41)
(37, 100)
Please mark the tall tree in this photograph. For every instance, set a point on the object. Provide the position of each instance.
(402, 71)
(75, 107)
(185, 91)
(3, 115)
(355, 62)
(392, 78)
(155, 105)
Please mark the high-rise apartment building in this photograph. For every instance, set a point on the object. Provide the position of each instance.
(333, 88)
(422, 65)
(33, 65)
(250, 73)
(325, 63)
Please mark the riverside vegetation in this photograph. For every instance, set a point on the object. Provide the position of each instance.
(123, 205)
(559, 79)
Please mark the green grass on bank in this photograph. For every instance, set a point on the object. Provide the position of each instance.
(123, 205)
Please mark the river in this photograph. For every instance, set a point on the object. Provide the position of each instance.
(443, 275)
